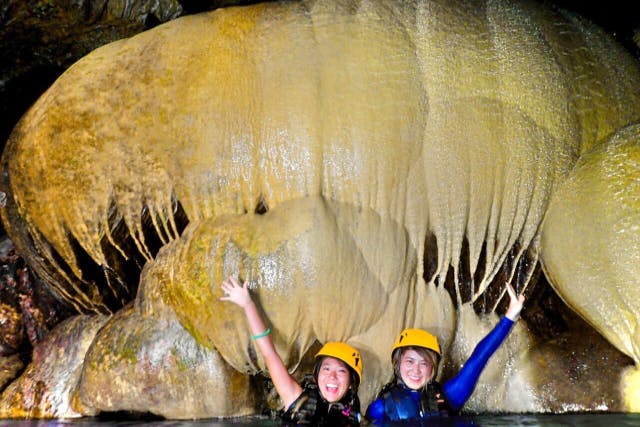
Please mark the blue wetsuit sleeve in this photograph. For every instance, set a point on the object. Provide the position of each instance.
(375, 411)
(458, 389)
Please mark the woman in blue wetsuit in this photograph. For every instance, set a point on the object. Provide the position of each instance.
(413, 395)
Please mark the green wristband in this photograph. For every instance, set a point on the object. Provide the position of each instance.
(262, 335)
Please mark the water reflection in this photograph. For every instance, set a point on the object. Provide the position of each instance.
(577, 420)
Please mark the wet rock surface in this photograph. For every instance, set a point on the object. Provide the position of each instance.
(58, 36)
(45, 389)
(39, 39)
(28, 310)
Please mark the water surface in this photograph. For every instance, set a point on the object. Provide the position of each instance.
(578, 420)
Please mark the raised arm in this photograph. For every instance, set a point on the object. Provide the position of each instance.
(285, 384)
(458, 389)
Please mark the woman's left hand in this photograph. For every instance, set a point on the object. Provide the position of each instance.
(515, 304)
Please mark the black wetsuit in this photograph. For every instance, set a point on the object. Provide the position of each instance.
(311, 408)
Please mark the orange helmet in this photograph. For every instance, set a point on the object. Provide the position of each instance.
(417, 338)
(344, 352)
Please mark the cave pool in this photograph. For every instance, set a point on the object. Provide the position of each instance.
(548, 420)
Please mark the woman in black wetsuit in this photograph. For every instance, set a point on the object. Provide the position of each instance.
(327, 398)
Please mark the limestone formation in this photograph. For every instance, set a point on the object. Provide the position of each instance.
(366, 165)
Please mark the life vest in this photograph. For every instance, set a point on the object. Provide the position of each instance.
(311, 408)
(402, 403)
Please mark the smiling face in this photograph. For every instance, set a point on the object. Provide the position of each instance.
(334, 378)
(415, 370)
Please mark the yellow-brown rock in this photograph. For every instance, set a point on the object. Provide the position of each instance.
(368, 165)
(601, 201)
(46, 387)
(155, 366)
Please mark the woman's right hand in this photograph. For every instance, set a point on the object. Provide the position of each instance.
(236, 293)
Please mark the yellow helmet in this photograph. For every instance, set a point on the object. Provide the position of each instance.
(417, 338)
(344, 352)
